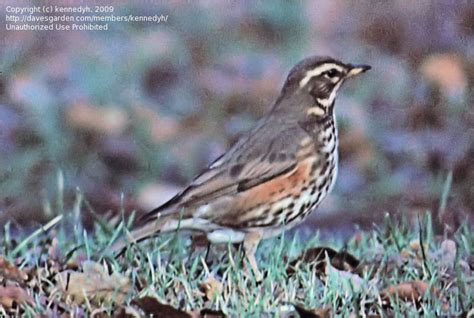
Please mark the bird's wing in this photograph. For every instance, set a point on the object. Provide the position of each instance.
(258, 157)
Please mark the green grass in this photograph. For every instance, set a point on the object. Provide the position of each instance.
(169, 269)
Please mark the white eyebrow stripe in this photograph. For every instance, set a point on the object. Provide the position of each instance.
(318, 71)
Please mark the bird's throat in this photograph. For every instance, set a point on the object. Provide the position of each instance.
(320, 110)
(316, 110)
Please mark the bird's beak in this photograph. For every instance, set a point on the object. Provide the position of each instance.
(357, 69)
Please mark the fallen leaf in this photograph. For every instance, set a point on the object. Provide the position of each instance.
(94, 284)
(345, 261)
(161, 128)
(446, 71)
(411, 291)
(11, 272)
(407, 291)
(107, 120)
(10, 295)
(324, 312)
(152, 306)
(126, 312)
(406, 254)
(209, 313)
(211, 287)
(416, 246)
(119, 312)
(317, 257)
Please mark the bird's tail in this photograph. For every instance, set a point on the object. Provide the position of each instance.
(145, 229)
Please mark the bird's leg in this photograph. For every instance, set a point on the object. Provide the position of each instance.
(250, 244)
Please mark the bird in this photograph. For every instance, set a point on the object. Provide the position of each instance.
(273, 176)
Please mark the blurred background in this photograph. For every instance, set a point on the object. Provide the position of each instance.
(126, 117)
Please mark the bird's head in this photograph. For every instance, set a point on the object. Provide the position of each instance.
(312, 85)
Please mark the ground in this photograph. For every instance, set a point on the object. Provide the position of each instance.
(393, 270)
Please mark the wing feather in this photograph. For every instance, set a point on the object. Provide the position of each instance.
(220, 179)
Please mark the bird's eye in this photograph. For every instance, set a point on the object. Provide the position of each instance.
(330, 73)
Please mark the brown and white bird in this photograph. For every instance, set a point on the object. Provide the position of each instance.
(274, 176)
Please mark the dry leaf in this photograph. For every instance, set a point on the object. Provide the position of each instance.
(107, 120)
(414, 251)
(343, 268)
(119, 312)
(317, 257)
(407, 291)
(411, 291)
(126, 312)
(11, 272)
(161, 128)
(208, 313)
(152, 306)
(416, 246)
(446, 71)
(211, 287)
(94, 283)
(324, 312)
(14, 294)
